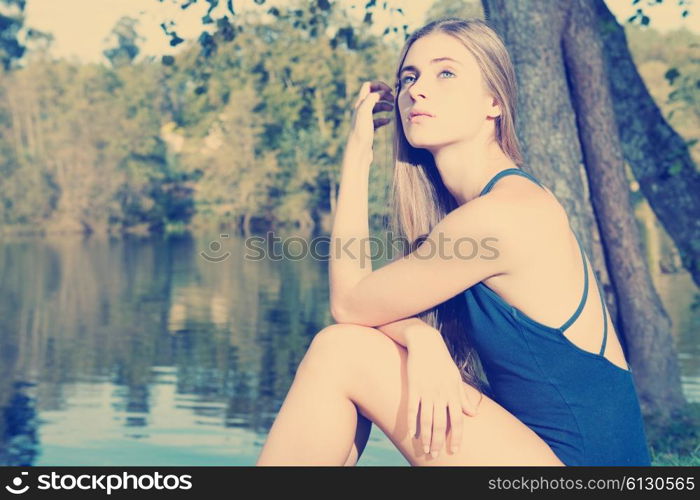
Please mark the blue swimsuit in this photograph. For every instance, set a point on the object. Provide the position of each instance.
(580, 403)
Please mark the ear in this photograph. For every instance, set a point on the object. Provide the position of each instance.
(495, 109)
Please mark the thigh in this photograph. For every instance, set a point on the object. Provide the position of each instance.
(371, 369)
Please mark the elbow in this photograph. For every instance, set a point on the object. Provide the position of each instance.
(337, 316)
(338, 312)
(342, 313)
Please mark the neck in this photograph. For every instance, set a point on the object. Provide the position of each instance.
(466, 167)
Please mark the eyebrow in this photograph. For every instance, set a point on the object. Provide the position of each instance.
(432, 61)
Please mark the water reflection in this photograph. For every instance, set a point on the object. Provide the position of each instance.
(140, 351)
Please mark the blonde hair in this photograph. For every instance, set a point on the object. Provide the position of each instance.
(419, 199)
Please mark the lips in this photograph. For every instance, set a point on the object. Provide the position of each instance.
(417, 112)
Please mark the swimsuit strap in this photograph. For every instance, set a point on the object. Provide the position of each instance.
(583, 300)
(585, 288)
(605, 319)
(505, 172)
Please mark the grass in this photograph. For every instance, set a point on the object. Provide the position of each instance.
(676, 441)
(673, 459)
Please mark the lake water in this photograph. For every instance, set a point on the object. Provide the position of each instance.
(174, 350)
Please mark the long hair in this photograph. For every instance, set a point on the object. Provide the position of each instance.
(419, 198)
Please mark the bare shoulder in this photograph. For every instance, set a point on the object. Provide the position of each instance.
(526, 205)
(525, 217)
(514, 219)
(483, 215)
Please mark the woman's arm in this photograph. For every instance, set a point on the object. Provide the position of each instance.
(405, 331)
(350, 224)
(479, 239)
(347, 263)
(351, 220)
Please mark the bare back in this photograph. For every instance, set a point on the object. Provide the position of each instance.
(547, 280)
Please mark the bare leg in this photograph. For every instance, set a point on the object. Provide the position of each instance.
(317, 422)
(351, 366)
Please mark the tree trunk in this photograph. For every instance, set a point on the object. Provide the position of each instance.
(554, 46)
(658, 156)
(642, 316)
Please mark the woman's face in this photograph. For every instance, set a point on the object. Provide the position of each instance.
(452, 91)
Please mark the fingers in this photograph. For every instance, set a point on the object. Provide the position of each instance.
(374, 97)
(439, 428)
(383, 106)
(383, 92)
(364, 91)
(412, 412)
(380, 85)
(380, 122)
(366, 107)
(360, 97)
(379, 107)
(456, 425)
(426, 423)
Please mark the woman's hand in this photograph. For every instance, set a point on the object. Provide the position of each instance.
(374, 97)
(435, 382)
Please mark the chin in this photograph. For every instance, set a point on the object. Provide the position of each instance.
(418, 140)
(422, 144)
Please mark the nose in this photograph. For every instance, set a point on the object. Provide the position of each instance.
(416, 89)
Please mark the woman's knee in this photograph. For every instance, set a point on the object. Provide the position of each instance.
(340, 346)
(344, 337)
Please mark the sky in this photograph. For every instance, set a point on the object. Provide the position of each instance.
(81, 27)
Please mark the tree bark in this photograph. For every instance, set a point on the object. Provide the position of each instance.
(565, 121)
(658, 156)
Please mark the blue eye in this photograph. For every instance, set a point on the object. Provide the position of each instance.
(403, 80)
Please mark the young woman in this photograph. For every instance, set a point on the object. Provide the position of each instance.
(495, 268)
